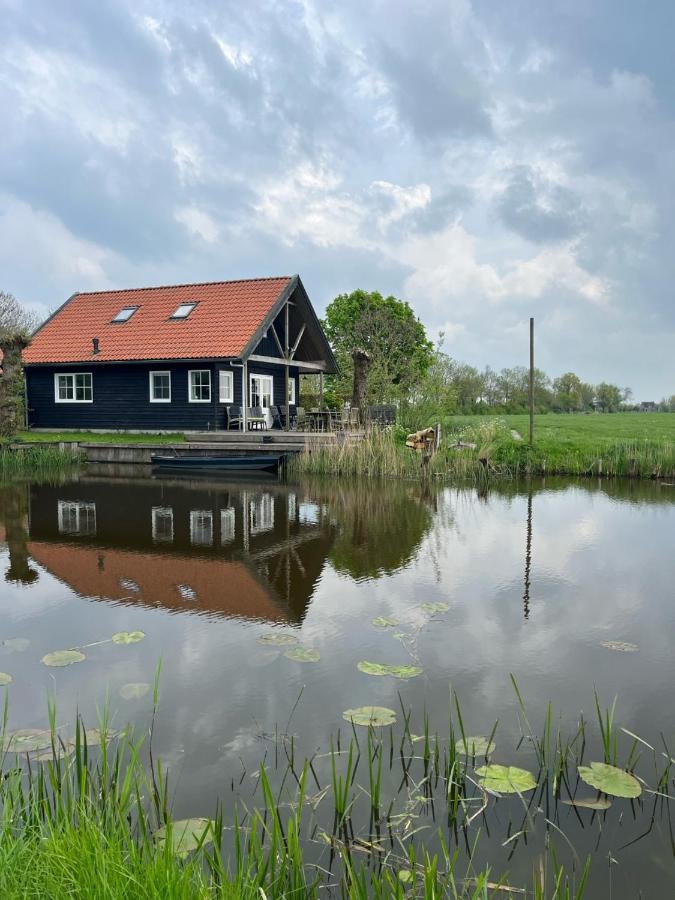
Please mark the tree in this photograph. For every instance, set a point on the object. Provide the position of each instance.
(568, 393)
(388, 330)
(608, 396)
(16, 325)
(14, 319)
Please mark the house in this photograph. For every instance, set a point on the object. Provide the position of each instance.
(174, 358)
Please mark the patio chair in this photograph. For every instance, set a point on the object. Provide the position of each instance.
(277, 417)
(300, 420)
(234, 417)
(257, 418)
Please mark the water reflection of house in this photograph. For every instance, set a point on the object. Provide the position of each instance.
(248, 550)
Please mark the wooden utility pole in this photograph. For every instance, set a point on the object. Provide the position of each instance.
(531, 381)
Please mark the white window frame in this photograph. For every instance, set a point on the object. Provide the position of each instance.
(188, 306)
(261, 514)
(226, 396)
(72, 375)
(291, 391)
(132, 310)
(192, 399)
(197, 519)
(228, 527)
(165, 512)
(154, 399)
(66, 508)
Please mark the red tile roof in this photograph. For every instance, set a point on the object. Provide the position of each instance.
(221, 325)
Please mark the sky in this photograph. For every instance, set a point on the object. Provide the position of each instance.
(485, 161)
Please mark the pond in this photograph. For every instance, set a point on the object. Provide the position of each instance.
(568, 586)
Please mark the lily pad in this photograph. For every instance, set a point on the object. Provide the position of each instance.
(279, 639)
(25, 740)
(433, 608)
(475, 746)
(385, 622)
(60, 751)
(405, 876)
(186, 835)
(376, 716)
(16, 645)
(63, 658)
(371, 668)
(95, 736)
(303, 654)
(399, 635)
(610, 780)
(589, 802)
(621, 646)
(5, 679)
(506, 779)
(134, 690)
(128, 637)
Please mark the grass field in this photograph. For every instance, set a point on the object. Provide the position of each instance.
(639, 445)
(575, 429)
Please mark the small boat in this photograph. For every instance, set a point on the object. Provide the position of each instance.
(219, 463)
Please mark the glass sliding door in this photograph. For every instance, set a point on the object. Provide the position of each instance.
(262, 394)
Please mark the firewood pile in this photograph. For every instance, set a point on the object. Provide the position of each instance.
(423, 440)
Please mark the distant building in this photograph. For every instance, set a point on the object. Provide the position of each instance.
(648, 406)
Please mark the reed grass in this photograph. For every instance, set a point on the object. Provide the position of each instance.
(383, 813)
(39, 462)
(485, 448)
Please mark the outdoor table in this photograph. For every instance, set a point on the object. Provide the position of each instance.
(319, 420)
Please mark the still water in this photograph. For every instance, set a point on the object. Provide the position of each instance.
(535, 577)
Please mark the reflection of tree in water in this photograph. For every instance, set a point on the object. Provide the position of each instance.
(380, 525)
(14, 515)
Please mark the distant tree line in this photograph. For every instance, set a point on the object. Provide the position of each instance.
(407, 369)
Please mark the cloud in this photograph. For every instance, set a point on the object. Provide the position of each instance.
(458, 154)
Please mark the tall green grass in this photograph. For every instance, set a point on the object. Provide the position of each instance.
(485, 448)
(39, 462)
(383, 813)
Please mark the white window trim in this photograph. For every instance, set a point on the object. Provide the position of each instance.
(291, 385)
(167, 512)
(229, 398)
(158, 399)
(228, 525)
(58, 375)
(195, 516)
(192, 399)
(253, 375)
(65, 507)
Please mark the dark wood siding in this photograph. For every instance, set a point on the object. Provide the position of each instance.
(122, 397)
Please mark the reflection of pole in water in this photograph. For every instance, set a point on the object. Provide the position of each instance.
(528, 557)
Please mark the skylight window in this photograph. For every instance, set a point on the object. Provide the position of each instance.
(183, 311)
(125, 314)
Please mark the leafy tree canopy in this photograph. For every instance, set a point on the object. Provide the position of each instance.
(389, 331)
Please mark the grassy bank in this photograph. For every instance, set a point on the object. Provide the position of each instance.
(638, 445)
(82, 816)
(95, 437)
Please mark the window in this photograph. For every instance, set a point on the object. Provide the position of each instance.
(200, 385)
(227, 525)
(183, 311)
(162, 524)
(125, 314)
(77, 517)
(73, 387)
(261, 513)
(291, 391)
(226, 387)
(160, 387)
(201, 527)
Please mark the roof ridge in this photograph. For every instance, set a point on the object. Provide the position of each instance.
(163, 287)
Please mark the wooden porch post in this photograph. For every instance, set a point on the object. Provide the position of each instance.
(244, 395)
(321, 390)
(287, 354)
